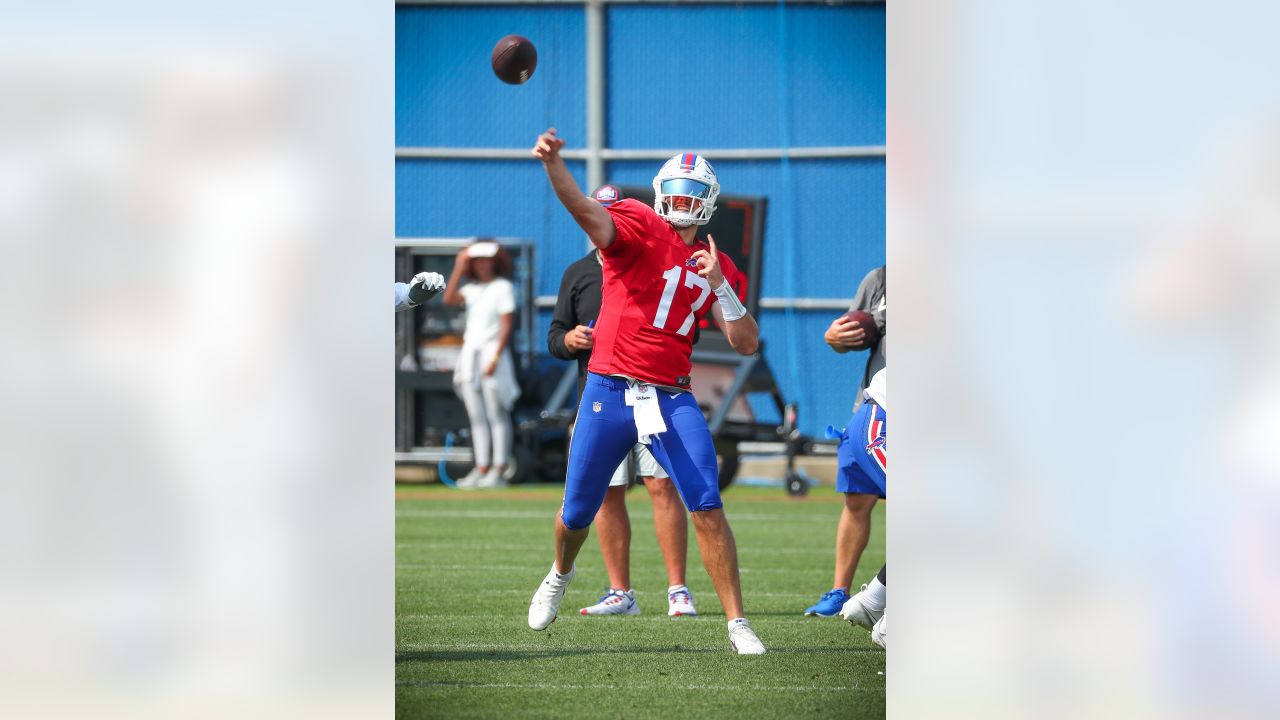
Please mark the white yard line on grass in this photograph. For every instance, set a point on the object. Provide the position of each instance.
(594, 649)
(618, 686)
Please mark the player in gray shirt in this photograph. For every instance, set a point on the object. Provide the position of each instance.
(844, 336)
(854, 528)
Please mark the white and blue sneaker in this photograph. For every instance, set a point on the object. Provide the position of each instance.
(680, 601)
(546, 601)
(614, 602)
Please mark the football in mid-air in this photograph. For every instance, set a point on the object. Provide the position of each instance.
(514, 59)
(867, 323)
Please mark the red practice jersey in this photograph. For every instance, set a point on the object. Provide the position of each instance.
(653, 296)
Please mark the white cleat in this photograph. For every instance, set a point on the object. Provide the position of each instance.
(614, 602)
(491, 479)
(468, 481)
(857, 610)
(546, 601)
(744, 641)
(680, 602)
(879, 631)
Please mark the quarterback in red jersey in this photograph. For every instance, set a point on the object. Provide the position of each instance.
(658, 281)
(653, 295)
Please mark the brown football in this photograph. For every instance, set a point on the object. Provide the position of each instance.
(514, 59)
(868, 324)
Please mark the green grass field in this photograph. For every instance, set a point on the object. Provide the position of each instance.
(468, 562)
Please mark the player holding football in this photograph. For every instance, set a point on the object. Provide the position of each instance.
(658, 281)
(860, 492)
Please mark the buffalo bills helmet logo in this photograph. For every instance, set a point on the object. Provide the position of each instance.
(607, 195)
(878, 443)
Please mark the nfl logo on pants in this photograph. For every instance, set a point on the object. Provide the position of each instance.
(595, 406)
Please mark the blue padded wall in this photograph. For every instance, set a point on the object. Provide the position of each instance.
(707, 76)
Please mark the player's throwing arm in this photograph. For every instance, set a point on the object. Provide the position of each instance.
(589, 214)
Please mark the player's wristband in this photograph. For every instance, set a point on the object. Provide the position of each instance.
(730, 306)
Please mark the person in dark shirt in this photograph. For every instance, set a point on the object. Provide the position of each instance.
(577, 306)
(570, 338)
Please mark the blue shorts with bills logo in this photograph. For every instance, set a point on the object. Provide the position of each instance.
(863, 453)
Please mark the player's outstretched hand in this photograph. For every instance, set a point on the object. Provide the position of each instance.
(424, 286)
(548, 146)
(709, 264)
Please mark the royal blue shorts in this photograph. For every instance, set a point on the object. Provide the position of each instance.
(606, 431)
(863, 453)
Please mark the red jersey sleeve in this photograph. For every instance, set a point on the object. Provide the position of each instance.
(635, 225)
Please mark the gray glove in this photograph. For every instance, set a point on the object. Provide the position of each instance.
(425, 286)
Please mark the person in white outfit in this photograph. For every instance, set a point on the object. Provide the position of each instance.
(485, 377)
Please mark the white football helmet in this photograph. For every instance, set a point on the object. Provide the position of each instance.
(686, 175)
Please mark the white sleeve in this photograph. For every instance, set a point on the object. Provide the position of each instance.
(402, 297)
(504, 299)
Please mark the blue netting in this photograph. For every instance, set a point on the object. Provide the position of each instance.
(708, 76)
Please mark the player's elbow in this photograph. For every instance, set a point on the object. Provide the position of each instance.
(601, 235)
(597, 223)
(555, 346)
(747, 345)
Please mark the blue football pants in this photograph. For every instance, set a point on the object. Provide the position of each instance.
(606, 431)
